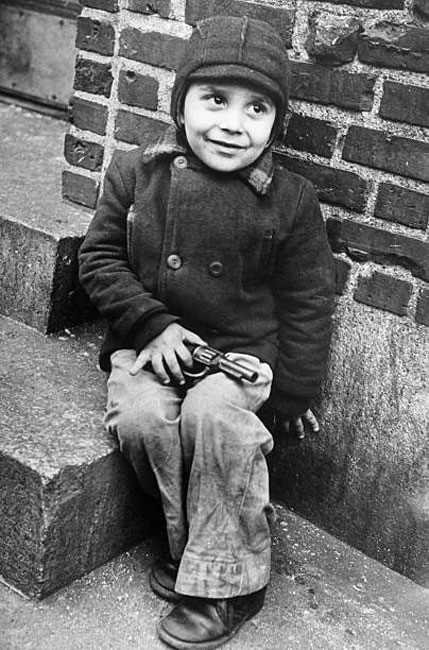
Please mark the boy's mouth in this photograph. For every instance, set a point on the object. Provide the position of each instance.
(226, 145)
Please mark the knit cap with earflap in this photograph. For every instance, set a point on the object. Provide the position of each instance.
(242, 50)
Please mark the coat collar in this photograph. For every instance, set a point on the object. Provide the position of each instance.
(258, 175)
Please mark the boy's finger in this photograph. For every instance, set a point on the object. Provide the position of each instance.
(184, 355)
(170, 360)
(139, 363)
(159, 368)
(312, 420)
(191, 337)
(299, 428)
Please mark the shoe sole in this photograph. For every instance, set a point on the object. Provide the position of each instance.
(163, 592)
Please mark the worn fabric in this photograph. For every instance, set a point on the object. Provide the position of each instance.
(242, 259)
(203, 451)
(238, 49)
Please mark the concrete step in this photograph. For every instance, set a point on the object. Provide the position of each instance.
(323, 595)
(39, 232)
(68, 500)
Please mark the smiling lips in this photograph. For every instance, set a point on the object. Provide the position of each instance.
(226, 145)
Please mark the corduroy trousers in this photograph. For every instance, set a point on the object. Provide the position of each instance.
(202, 451)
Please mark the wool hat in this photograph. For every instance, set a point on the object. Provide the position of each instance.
(242, 50)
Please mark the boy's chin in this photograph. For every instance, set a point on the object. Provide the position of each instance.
(226, 165)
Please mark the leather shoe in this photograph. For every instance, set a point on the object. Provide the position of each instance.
(162, 579)
(207, 623)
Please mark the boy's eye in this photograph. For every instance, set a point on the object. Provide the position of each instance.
(258, 108)
(217, 99)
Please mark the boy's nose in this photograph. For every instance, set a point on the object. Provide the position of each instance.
(231, 120)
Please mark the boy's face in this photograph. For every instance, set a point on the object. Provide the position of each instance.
(227, 125)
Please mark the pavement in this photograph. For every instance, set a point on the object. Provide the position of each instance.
(323, 595)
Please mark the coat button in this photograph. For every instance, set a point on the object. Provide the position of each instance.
(180, 162)
(216, 268)
(174, 262)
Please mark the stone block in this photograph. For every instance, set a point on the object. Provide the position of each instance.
(155, 48)
(395, 45)
(281, 18)
(88, 116)
(403, 206)
(335, 186)
(38, 277)
(370, 4)
(316, 83)
(160, 7)
(95, 36)
(93, 77)
(83, 153)
(69, 502)
(365, 243)
(311, 134)
(365, 476)
(138, 90)
(422, 309)
(405, 103)
(40, 233)
(332, 39)
(388, 152)
(105, 5)
(80, 189)
(137, 129)
(384, 292)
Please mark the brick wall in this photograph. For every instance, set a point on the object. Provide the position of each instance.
(358, 125)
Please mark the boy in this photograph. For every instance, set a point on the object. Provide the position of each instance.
(201, 238)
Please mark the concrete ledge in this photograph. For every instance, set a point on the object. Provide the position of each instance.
(365, 477)
(39, 232)
(69, 502)
(323, 595)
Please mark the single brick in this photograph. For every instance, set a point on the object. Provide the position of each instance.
(422, 310)
(105, 5)
(80, 189)
(366, 243)
(405, 103)
(335, 186)
(395, 45)
(95, 36)
(342, 272)
(402, 206)
(280, 18)
(161, 50)
(93, 77)
(160, 7)
(332, 39)
(137, 129)
(88, 116)
(83, 153)
(382, 150)
(384, 292)
(421, 9)
(354, 91)
(311, 134)
(369, 4)
(138, 90)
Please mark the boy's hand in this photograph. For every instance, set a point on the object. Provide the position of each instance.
(297, 425)
(166, 352)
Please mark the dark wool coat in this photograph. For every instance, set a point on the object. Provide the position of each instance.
(243, 263)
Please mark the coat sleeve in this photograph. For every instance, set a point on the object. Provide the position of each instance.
(304, 287)
(104, 267)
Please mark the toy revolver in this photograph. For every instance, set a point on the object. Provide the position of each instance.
(207, 360)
